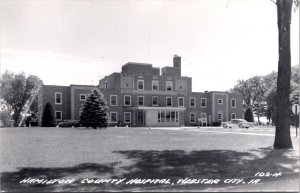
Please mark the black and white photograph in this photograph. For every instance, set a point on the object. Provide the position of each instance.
(149, 96)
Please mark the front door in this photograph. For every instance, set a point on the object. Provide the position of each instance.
(140, 118)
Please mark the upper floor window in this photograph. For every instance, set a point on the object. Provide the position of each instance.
(127, 100)
(169, 85)
(180, 101)
(192, 102)
(233, 103)
(155, 101)
(82, 97)
(169, 101)
(155, 85)
(220, 101)
(113, 100)
(140, 84)
(203, 102)
(140, 100)
(58, 98)
(105, 86)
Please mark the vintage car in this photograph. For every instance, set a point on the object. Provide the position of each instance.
(241, 123)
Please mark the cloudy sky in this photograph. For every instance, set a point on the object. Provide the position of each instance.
(78, 42)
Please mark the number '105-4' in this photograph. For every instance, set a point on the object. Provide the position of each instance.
(267, 174)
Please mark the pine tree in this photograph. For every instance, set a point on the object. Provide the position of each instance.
(94, 111)
(249, 115)
(48, 118)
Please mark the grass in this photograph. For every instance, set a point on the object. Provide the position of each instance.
(141, 153)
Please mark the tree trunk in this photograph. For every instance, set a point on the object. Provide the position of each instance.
(282, 135)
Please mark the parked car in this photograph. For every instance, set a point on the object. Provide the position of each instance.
(241, 123)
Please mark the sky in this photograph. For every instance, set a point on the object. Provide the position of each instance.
(79, 42)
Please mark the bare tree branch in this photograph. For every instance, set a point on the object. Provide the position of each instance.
(273, 2)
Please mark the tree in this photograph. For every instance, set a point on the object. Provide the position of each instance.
(282, 134)
(249, 115)
(94, 111)
(48, 118)
(17, 90)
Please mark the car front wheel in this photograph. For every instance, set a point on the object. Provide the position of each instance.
(224, 126)
(241, 126)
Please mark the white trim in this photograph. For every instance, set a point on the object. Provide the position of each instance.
(205, 103)
(111, 100)
(182, 101)
(219, 101)
(82, 95)
(115, 112)
(137, 85)
(129, 100)
(234, 103)
(156, 81)
(191, 117)
(138, 101)
(152, 101)
(60, 115)
(234, 116)
(168, 97)
(60, 98)
(190, 99)
(129, 116)
(169, 81)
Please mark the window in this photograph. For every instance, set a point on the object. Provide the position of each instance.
(105, 84)
(113, 117)
(80, 112)
(220, 116)
(203, 115)
(169, 85)
(155, 85)
(233, 103)
(169, 101)
(193, 118)
(203, 102)
(140, 100)
(155, 101)
(58, 98)
(58, 115)
(127, 100)
(180, 101)
(167, 116)
(82, 97)
(233, 115)
(220, 101)
(127, 117)
(113, 100)
(140, 84)
(192, 102)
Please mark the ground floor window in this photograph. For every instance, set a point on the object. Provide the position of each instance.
(167, 116)
(220, 116)
(127, 117)
(58, 115)
(113, 117)
(233, 116)
(193, 118)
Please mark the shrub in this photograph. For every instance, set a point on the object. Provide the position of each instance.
(249, 115)
(216, 123)
(48, 118)
(69, 123)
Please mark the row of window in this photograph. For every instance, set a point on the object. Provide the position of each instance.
(169, 101)
(204, 116)
(114, 117)
(58, 98)
(155, 85)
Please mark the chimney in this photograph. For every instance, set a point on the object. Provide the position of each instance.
(177, 61)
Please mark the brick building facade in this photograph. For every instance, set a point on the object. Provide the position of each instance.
(140, 96)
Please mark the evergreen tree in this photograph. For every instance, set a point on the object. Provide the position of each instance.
(249, 115)
(48, 118)
(94, 111)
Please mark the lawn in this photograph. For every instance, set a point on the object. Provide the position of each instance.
(130, 153)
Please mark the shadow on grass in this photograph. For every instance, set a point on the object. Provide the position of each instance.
(168, 164)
